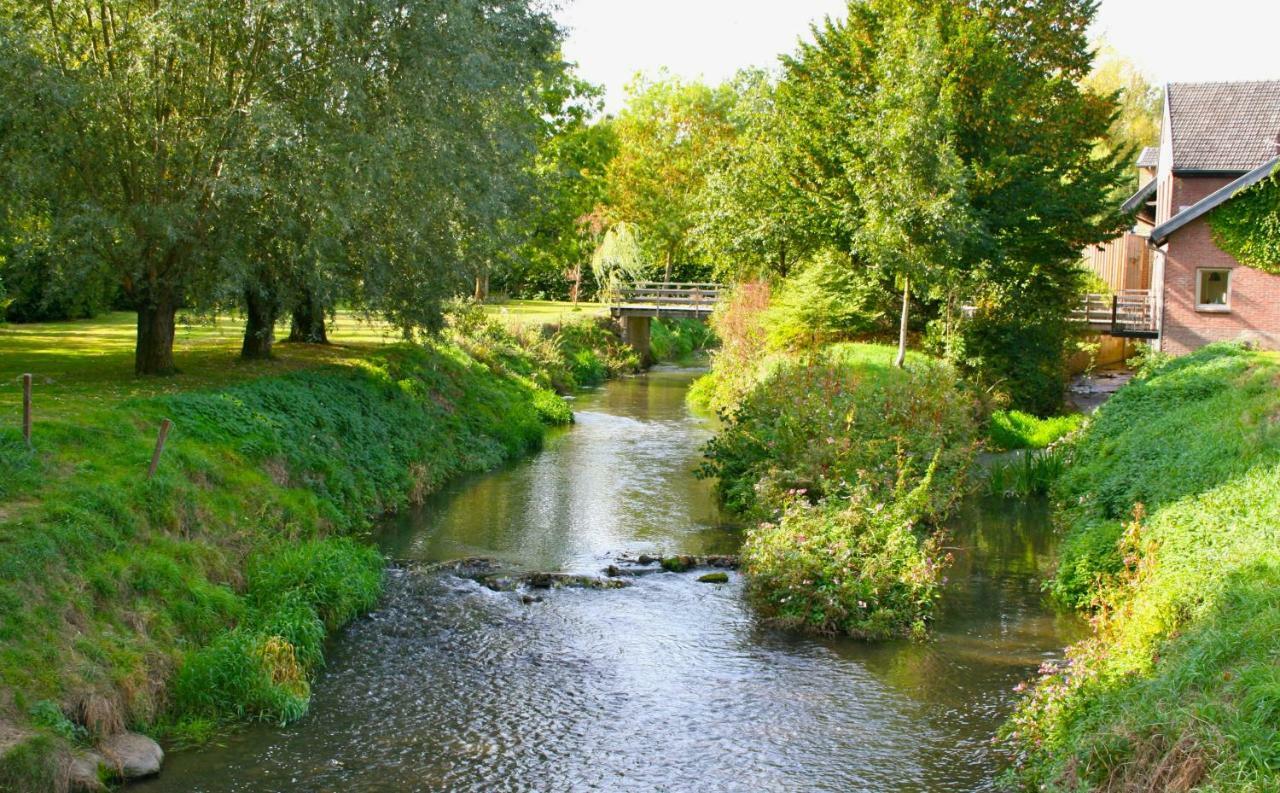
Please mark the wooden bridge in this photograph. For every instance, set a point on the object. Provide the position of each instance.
(1127, 314)
(636, 307)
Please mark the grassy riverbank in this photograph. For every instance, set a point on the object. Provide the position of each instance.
(203, 596)
(1172, 500)
(843, 465)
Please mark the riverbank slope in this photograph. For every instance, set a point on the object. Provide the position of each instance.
(203, 595)
(1172, 502)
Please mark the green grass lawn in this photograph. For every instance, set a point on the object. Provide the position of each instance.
(84, 362)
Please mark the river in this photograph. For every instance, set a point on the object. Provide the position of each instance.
(667, 685)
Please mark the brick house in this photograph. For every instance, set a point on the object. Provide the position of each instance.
(1216, 140)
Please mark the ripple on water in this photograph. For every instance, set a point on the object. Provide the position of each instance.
(666, 685)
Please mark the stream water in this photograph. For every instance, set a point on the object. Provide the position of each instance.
(667, 685)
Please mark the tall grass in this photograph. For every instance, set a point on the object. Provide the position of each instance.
(1008, 430)
(1031, 473)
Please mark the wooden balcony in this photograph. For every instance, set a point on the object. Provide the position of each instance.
(1127, 314)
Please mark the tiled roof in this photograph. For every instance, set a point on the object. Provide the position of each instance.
(1224, 126)
(1150, 157)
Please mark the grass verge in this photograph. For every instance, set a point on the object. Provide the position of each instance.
(1173, 505)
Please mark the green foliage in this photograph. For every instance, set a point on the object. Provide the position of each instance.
(1031, 473)
(853, 567)
(841, 420)
(752, 216)
(561, 219)
(1248, 226)
(1175, 545)
(1013, 429)
(828, 299)
(48, 715)
(677, 339)
(838, 457)
(666, 136)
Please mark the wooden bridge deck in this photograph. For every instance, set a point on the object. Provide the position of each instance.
(667, 299)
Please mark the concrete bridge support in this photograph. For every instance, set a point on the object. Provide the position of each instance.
(635, 332)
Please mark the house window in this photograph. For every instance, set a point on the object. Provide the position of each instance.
(1213, 290)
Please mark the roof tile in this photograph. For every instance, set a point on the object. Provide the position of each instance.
(1231, 126)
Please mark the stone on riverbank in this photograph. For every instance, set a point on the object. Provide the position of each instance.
(132, 755)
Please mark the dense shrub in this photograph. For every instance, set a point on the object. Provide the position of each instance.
(1173, 507)
(842, 461)
(852, 566)
(840, 420)
(1017, 354)
(826, 300)
(1013, 429)
(738, 323)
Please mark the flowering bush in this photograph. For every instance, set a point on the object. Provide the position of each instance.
(852, 567)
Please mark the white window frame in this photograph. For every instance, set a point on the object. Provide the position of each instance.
(1213, 308)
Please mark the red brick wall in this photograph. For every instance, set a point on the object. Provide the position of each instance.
(1255, 295)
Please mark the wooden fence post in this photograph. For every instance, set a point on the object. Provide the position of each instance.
(26, 409)
(155, 456)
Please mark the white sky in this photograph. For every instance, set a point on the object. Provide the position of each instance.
(1172, 40)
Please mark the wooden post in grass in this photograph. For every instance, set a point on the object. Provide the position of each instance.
(155, 456)
(26, 409)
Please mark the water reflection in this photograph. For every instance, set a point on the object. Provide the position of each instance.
(666, 685)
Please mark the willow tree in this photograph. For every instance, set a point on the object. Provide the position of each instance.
(141, 106)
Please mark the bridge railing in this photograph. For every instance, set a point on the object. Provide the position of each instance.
(686, 295)
(1129, 312)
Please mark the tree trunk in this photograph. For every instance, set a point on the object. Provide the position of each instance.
(260, 325)
(153, 351)
(901, 360)
(308, 326)
(666, 273)
(482, 286)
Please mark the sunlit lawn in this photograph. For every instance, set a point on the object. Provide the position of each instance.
(76, 364)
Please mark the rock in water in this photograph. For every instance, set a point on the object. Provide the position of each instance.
(133, 755)
(714, 578)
